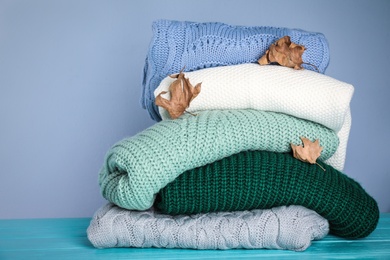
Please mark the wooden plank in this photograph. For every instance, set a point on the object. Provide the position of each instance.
(317, 251)
(66, 239)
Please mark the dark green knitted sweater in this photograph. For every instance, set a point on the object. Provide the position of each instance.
(262, 180)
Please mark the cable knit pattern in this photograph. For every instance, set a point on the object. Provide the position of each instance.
(176, 45)
(262, 180)
(138, 167)
(300, 93)
(291, 228)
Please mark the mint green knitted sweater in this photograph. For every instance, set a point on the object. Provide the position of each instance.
(136, 168)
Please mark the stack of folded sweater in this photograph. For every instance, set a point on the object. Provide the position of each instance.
(226, 178)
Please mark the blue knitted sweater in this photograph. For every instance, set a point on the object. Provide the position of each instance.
(175, 45)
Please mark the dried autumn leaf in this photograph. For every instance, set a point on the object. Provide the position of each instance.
(285, 53)
(309, 152)
(182, 93)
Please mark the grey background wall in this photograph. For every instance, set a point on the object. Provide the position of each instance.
(70, 84)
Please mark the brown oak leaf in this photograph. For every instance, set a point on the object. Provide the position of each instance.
(285, 53)
(182, 93)
(309, 152)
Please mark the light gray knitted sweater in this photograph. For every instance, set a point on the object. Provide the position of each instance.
(285, 227)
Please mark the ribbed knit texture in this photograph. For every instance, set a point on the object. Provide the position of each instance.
(262, 180)
(138, 167)
(292, 228)
(177, 44)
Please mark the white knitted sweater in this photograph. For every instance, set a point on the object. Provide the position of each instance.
(301, 93)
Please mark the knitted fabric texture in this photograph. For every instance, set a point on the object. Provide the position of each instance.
(138, 167)
(292, 228)
(269, 88)
(176, 45)
(338, 158)
(273, 88)
(262, 180)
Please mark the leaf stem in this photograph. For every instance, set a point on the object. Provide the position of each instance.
(312, 66)
(190, 113)
(321, 167)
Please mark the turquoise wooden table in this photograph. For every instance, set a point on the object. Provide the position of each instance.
(66, 239)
